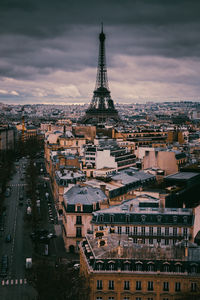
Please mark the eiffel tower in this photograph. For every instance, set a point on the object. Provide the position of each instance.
(101, 109)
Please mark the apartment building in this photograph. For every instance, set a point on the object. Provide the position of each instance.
(118, 269)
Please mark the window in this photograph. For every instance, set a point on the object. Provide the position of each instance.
(126, 285)
(158, 230)
(138, 267)
(150, 285)
(138, 298)
(166, 230)
(166, 242)
(99, 298)
(177, 286)
(111, 284)
(127, 230)
(166, 268)
(193, 269)
(185, 231)
(159, 218)
(174, 231)
(193, 286)
(150, 241)
(101, 228)
(135, 230)
(150, 267)
(99, 285)
(185, 219)
(119, 230)
(143, 230)
(78, 208)
(126, 298)
(165, 298)
(127, 218)
(165, 286)
(135, 240)
(151, 230)
(178, 269)
(149, 298)
(78, 220)
(175, 219)
(111, 266)
(111, 218)
(99, 266)
(143, 217)
(126, 267)
(78, 231)
(111, 298)
(138, 285)
(101, 218)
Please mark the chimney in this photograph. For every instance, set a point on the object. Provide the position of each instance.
(186, 249)
(103, 188)
(119, 250)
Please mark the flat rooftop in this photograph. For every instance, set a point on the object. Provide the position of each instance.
(183, 175)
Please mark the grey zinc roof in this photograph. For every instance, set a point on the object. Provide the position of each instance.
(83, 195)
(130, 175)
(182, 175)
(132, 207)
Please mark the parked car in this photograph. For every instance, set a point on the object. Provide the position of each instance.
(8, 238)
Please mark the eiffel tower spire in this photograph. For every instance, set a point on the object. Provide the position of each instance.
(102, 80)
(101, 108)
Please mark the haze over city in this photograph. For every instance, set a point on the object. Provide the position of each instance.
(49, 50)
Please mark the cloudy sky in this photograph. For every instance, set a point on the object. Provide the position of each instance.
(49, 50)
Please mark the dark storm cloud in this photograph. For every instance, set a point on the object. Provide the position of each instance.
(40, 37)
(30, 31)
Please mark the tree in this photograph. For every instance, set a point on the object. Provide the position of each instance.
(59, 283)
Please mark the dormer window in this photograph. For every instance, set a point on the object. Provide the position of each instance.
(78, 208)
(111, 265)
(101, 218)
(127, 266)
(159, 217)
(127, 218)
(111, 218)
(143, 217)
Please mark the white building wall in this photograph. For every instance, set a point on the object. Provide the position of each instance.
(104, 159)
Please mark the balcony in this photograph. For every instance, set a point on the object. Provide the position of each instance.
(158, 235)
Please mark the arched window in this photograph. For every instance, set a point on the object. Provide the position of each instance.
(111, 265)
(193, 268)
(138, 266)
(159, 217)
(151, 267)
(127, 266)
(166, 267)
(178, 268)
(99, 266)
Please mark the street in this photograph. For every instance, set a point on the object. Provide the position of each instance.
(14, 285)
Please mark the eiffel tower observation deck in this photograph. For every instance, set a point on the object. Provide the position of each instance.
(101, 109)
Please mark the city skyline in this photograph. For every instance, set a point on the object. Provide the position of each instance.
(49, 51)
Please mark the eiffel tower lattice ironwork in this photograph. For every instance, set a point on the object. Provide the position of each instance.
(101, 109)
